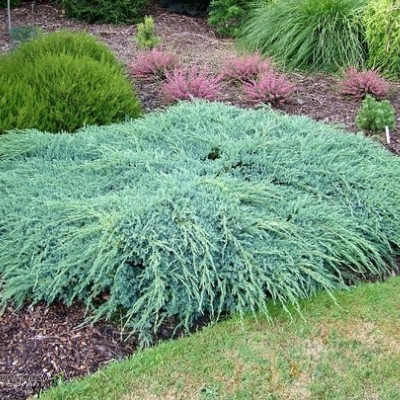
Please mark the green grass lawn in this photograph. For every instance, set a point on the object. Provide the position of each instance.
(331, 352)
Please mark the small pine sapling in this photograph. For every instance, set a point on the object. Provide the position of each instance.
(145, 37)
(374, 116)
(153, 65)
(245, 69)
(359, 84)
(191, 83)
(271, 88)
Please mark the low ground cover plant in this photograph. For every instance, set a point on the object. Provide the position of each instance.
(105, 11)
(203, 208)
(63, 81)
(374, 116)
(245, 68)
(359, 84)
(270, 88)
(310, 35)
(190, 83)
(382, 22)
(153, 65)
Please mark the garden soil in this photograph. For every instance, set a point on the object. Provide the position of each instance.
(44, 344)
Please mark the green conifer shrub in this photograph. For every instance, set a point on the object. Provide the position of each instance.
(145, 37)
(227, 15)
(203, 208)
(104, 11)
(54, 84)
(13, 3)
(375, 115)
(382, 22)
(309, 35)
(76, 44)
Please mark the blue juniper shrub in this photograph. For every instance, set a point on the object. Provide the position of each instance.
(203, 208)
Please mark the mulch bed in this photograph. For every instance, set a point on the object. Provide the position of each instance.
(42, 344)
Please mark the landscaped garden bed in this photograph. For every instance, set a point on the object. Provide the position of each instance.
(314, 175)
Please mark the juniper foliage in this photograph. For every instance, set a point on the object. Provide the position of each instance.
(199, 209)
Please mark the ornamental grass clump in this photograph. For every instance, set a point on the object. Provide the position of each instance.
(309, 35)
(191, 83)
(201, 209)
(359, 84)
(246, 68)
(270, 88)
(153, 65)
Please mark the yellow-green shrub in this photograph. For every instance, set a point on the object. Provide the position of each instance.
(76, 44)
(54, 88)
(382, 23)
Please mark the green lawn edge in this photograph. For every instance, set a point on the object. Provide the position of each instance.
(347, 350)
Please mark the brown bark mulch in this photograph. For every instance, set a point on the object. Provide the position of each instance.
(43, 344)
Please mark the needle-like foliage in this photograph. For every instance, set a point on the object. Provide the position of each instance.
(63, 81)
(203, 208)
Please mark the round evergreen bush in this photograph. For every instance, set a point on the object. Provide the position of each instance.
(76, 44)
(204, 208)
(63, 87)
(309, 35)
(105, 11)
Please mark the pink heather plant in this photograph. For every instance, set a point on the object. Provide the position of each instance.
(153, 65)
(245, 69)
(191, 83)
(360, 83)
(271, 88)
